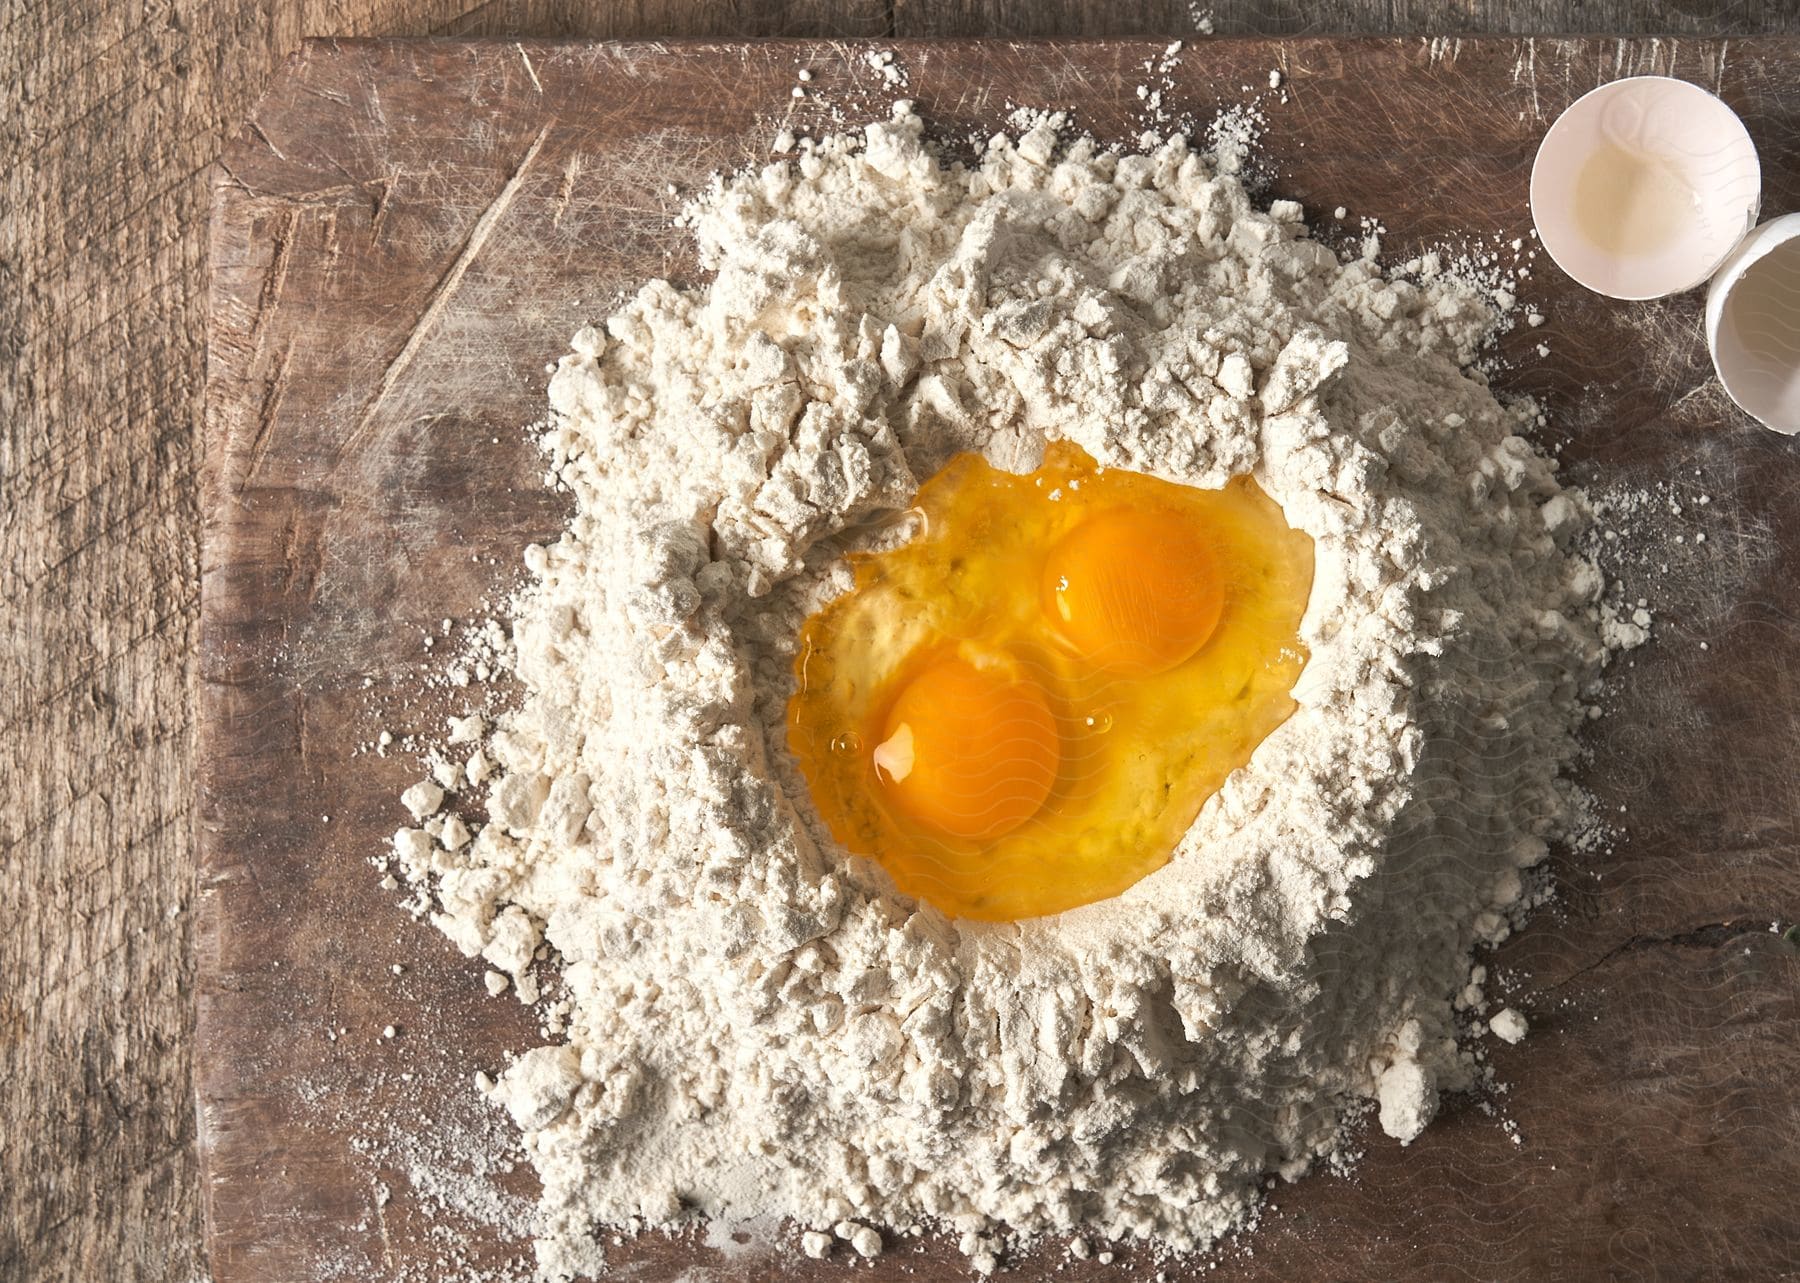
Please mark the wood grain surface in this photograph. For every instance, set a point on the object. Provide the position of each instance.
(405, 233)
(110, 115)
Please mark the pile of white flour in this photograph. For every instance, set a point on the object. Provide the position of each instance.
(757, 1024)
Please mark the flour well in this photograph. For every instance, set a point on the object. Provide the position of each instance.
(754, 1024)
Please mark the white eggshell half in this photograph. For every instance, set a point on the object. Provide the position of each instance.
(1753, 324)
(1709, 184)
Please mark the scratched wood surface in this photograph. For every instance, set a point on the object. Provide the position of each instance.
(111, 113)
(110, 116)
(405, 233)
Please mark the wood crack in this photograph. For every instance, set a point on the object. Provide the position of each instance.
(1709, 935)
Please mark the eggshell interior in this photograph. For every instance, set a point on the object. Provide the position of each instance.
(1699, 184)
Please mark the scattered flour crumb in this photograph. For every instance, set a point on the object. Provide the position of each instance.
(1508, 1025)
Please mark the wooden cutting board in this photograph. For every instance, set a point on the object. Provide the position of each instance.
(406, 232)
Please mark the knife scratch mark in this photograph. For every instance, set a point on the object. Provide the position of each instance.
(529, 69)
(273, 393)
(570, 172)
(268, 142)
(447, 285)
(1531, 70)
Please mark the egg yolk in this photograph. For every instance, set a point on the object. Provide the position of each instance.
(970, 751)
(1136, 592)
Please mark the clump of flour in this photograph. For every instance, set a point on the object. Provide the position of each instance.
(756, 1024)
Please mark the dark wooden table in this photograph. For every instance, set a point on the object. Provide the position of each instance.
(111, 115)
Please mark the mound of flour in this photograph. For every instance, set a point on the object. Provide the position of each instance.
(755, 1023)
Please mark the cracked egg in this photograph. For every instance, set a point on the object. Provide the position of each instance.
(1023, 708)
